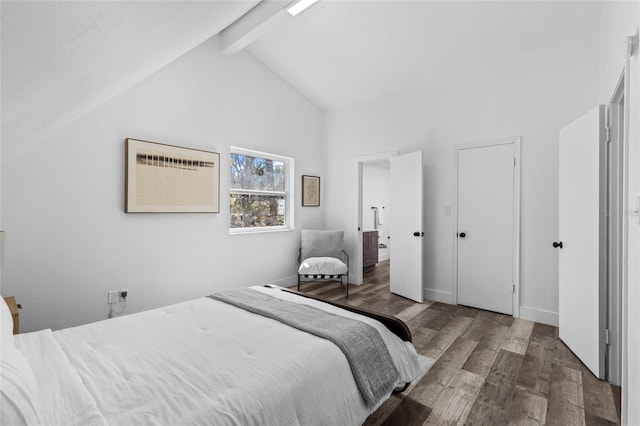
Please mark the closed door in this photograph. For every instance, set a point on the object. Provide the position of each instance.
(485, 227)
(405, 271)
(582, 232)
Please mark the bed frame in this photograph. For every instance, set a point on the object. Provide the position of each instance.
(395, 325)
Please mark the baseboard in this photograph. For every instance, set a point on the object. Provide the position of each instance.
(438, 295)
(383, 256)
(539, 315)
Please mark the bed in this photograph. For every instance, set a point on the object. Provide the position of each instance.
(207, 361)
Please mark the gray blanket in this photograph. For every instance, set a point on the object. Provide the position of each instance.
(361, 343)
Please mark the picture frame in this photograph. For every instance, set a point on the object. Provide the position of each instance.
(163, 178)
(310, 191)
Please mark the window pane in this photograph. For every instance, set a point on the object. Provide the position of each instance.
(261, 174)
(250, 211)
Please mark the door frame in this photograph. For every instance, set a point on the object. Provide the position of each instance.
(361, 160)
(516, 141)
(615, 290)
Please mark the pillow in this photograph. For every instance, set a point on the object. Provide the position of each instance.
(316, 243)
(6, 324)
(322, 266)
(17, 388)
(17, 383)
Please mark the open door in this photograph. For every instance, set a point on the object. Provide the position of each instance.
(582, 244)
(406, 226)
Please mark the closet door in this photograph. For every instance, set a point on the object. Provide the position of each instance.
(486, 226)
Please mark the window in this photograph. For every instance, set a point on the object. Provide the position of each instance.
(260, 191)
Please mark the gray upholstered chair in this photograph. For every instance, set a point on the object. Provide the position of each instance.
(321, 256)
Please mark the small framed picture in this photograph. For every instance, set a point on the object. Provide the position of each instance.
(170, 179)
(310, 191)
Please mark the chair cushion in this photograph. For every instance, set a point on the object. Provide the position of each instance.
(322, 266)
(317, 243)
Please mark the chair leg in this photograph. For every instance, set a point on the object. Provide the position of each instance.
(345, 288)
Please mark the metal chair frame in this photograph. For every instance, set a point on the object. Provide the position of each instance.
(343, 285)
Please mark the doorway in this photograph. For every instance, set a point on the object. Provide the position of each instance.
(376, 211)
(582, 269)
(592, 220)
(487, 246)
(363, 219)
(405, 225)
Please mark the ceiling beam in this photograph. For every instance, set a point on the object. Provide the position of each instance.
(254, 24)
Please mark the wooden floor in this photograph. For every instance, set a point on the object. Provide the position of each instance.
(490, 369)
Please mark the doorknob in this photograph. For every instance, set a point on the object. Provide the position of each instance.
(462, 235)
(418, 234)
(557, 244)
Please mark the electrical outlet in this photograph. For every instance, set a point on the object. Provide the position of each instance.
(124, 294)
(112, 297)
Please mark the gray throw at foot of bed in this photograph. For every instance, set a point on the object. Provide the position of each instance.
(366, 352)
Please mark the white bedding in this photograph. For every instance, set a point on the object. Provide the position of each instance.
(200, 362)
(63, 400)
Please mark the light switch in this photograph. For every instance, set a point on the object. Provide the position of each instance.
(447, 210)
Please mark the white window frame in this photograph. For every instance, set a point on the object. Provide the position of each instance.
(288, 192)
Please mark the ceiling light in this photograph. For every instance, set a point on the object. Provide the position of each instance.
(300, 6)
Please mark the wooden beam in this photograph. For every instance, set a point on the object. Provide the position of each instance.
(254, 24)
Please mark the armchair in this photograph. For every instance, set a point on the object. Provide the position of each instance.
(321, 256)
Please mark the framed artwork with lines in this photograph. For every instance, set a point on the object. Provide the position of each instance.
(170, 179)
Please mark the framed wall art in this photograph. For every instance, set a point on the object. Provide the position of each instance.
(170, 179)
(310, 191)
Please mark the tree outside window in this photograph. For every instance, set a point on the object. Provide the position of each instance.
(259, 191)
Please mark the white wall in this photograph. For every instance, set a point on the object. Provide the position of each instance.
(532, 95)
(4, 236)
(376, 192)
(70, 241)
(619, 20)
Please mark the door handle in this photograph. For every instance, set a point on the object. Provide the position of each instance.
(557, 244)
(418, 234)
(462, 235)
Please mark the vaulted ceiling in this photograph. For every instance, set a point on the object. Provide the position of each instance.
(62, 59)
(339, 52)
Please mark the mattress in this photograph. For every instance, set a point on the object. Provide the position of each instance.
(201, 362)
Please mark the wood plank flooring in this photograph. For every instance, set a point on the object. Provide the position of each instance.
(490, 369)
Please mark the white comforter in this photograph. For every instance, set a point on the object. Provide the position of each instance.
(200, 362)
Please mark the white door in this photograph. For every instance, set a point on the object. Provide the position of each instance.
(485, 227)
(581, 220)
(406, 226)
